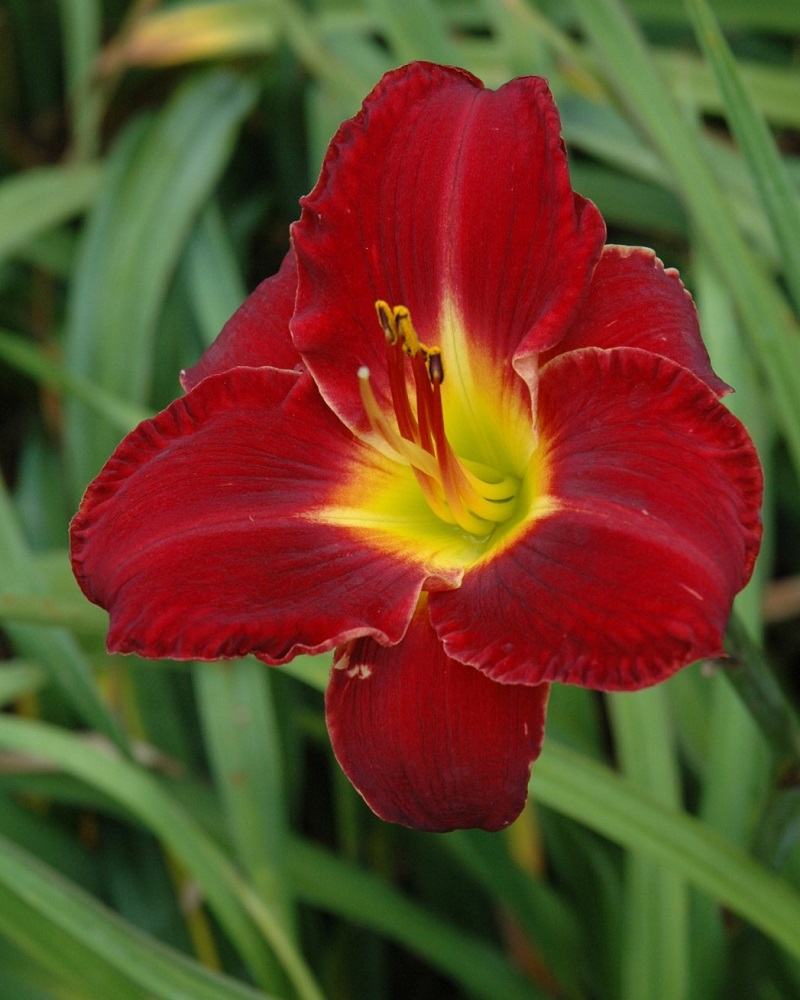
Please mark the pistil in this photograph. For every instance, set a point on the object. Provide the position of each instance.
(459, 491)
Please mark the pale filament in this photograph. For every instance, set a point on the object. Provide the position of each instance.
(459, 491)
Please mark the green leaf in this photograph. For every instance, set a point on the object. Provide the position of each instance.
(236, 708)
(82, 31)
(77, 615)
(311, 670)
(51, 842)
(756, 684)
(594, 795)
(54, 648)
(549, 922)
(772, 333)
(778, 194)
(248, 921)
(742, 14)
(654, 950)
(415, 29)
(303, 36)
(86, 945)
(213, 275)
(194, 31)
(18, 678)
(41, 199)
(17, 352)
(160, 174)
(324, 881)
(773, 87)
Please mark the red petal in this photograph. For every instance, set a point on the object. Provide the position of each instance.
(634, 302)
(650, 528)
(454, 201)
(257, 335)
(428, 742)
(203, 537)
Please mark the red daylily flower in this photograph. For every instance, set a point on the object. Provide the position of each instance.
(458, 440)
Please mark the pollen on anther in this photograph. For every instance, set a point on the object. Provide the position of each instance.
(435, 366)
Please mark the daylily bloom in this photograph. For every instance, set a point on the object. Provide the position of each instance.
(456, 439)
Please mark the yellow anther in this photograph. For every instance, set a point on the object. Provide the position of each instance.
(406, 331)
(433, 362)
(386, 320)
(476, 497)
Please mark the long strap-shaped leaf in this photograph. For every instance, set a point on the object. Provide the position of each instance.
(656, 936)
(54, 648)
(779, 197)
(87, 945)
(594, 795)
(250, 925)
(773, 336)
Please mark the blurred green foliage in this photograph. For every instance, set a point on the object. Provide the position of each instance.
(173, 831)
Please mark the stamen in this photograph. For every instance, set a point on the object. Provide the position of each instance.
(406, 331)
(422, 463)
(493, 500)
(408, 450)
(460, 491)
(386, 320)
(434, 364)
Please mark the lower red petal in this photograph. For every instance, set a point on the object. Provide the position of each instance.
(429, 742)
(257, 335)
(649, 528)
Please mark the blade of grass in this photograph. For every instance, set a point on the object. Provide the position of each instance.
(40, 199)
(754, 680)
(587, 871)
(304, 38)
(311, 670)
(55, 649)
(772, 334)
(77, 616)
(773, 87)
(543, 913)
(248, 922)
(18, 678)
(601, 130)
(416, 30)
(16, 351)
(82, 32)
(194, 31)
(54, 844)
(215, 281)
(594, 795)
(242, 738)
(160, 174)
(654, 950)
(80, 941)
(780, 18)
(778, 195)
(738, 766)
(324, 881)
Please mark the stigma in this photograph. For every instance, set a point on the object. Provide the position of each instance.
(462, 492)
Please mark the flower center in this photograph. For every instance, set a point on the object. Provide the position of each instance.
(474, 496)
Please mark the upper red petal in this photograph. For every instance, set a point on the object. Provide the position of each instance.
(653, 527)
(257, 335)
(202, 535)
(429, 742)
(634, 302)
(454, 201)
